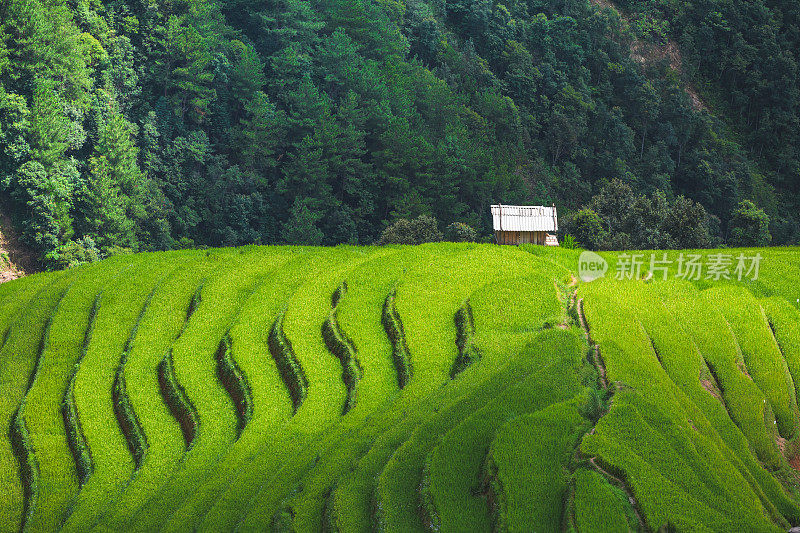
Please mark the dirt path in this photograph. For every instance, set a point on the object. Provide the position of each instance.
(597, 361)
(16, 260)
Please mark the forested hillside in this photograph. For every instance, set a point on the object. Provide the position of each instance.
(149, 125)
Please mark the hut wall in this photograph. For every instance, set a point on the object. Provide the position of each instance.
(520, 237)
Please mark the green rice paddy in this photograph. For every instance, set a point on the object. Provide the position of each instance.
(444, 387)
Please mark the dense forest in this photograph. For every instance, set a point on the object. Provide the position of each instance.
(158, 124)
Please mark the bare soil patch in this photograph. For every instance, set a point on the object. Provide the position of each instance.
(647, 53)
(711, 388)
(16, 260)
(794, 462)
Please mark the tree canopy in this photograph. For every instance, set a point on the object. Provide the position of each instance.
(137, 126)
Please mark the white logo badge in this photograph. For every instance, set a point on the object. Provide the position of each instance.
(591, 266)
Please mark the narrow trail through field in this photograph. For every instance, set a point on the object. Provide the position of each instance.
(597, 359)
(598, 363)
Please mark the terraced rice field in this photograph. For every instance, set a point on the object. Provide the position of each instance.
(441, 387)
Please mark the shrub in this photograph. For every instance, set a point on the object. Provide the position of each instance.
(569, 242)
(749, 226)
(184, 243)
(460, 232)
(111, 251)
(72, 254)
(420, 230)
(618, 241)
(618, 218)
(587, 228)
(688, 223)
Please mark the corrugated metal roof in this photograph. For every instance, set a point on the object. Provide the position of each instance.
(524, 218)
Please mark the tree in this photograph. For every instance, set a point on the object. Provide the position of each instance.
(103, 208)
(624, 212)
(418, 231)
(49, 127)
(345, 115)
(636, 221)
(46, 196)
(262, 134)
(460, 232)
(301, 228)
(749, 226)
(72, 254)
(587, 228)
(689, 224)
(114, 195)
(190, 78)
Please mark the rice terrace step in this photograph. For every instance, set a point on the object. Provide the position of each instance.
(441, 387)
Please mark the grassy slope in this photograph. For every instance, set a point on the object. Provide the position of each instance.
(695, 427)
(25, 324)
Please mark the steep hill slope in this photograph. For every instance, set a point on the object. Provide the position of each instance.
(16, 260)
(441, 387)
(227, 122)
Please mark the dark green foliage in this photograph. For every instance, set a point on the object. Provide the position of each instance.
(749, 226)
(587, 228)
(46, 197)
(568, 242)
(460, 232)
(689, 224)
(418, 231)
(468, 352)
(289, 367)
(178, 402)
(745, 56)
(632, 220)
(72, 254)
(394, 329)
(322, 123)
(235, 382)
(301, 228)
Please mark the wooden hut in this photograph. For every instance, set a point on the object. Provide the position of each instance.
(518, 224)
